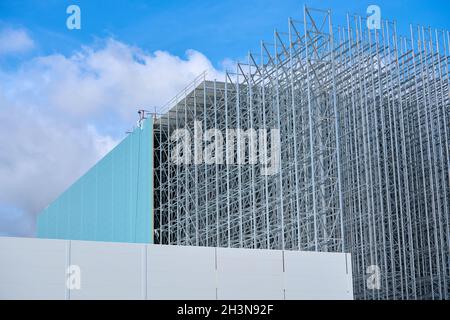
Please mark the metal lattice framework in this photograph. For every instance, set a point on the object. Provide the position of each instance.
(363, 117)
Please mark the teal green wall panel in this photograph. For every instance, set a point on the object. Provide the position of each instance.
(113, 201)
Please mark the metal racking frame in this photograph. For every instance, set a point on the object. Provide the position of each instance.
(364, 159)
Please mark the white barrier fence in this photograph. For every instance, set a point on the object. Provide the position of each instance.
(63, 269)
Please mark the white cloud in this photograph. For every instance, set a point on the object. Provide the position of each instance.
(14, 221)
(60, 114)
(40, 156)
(15, 41)
(115, 78)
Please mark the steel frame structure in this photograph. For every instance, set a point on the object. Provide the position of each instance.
(364, 118)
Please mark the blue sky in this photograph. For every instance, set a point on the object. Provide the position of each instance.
(218, 29)
(68, 96)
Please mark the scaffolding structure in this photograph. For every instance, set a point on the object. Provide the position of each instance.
(363, 120)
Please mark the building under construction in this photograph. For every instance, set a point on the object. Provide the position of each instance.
(354, 123)
(363, 120)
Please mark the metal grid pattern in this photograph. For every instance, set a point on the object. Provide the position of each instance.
(363, 117)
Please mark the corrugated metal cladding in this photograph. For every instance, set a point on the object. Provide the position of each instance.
(113, 201)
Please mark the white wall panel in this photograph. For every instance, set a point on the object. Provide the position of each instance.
(109, 270)
(36, 269)
(249, 274)
(315, 275)
(178, 272)
(32, 268)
